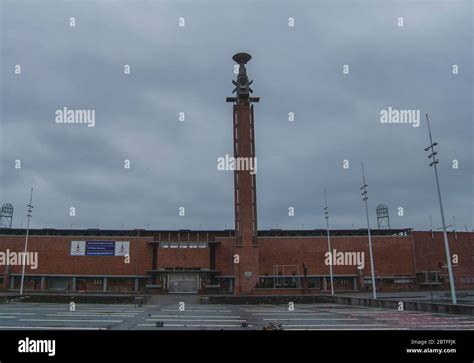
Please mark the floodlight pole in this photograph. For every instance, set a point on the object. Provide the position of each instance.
(326, 213)
(434, 162)
(30, 210)
(364, 193)
(429, 259)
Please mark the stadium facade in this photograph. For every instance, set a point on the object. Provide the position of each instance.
(204, 261)
(241, 261)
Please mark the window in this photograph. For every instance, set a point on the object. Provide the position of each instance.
(183, 245)
(432, 277)
(403, 281)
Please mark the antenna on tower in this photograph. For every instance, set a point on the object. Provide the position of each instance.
(6, 215)
(383, 219)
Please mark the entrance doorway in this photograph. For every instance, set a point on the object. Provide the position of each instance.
(183, 283)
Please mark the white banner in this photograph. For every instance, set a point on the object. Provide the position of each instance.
(78, 248)
(122, 248)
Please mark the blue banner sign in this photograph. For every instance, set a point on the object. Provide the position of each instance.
(100, 248)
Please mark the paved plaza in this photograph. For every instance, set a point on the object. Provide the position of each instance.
(42, 316)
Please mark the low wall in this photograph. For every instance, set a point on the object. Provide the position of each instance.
(78, 298)
(262, 299)
(285, 292)
(4, 298)
(428, 307)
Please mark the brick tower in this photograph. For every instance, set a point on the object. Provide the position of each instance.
(246, 272)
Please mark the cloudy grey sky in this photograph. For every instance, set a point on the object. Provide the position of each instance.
(174, 69)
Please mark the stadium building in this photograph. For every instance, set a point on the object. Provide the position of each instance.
(204, 261)
(242, 261)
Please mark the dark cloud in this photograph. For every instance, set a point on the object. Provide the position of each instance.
(189, 70)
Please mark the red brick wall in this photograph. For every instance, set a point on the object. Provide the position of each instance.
(183, 257)
(392, 255)
(430, 252)
(54, 256)
(225, 251)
